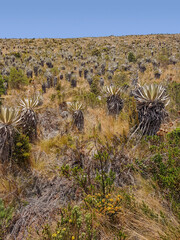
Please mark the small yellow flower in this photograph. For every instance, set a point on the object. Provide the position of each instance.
(70, 220)
(119, 196)
(64, 229)
(73, 237)
(54, 235)
(111, 200)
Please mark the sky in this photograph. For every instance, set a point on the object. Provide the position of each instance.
(84, 18)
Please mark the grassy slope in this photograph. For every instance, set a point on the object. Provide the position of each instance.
(146, 212)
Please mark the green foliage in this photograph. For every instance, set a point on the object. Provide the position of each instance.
(103, 181)
(60, 96)
(174, 137)
(174, 92)
(121, 79)
(77, 174)
(105, 204)
(54, 71)
(6, 214)
(52, 97)
(133, 114)
(96, 52)
(2, 90)
(75, 224)
(21, 152)
(58, 87)
(164, 57)
(148, 211)
(106, 180)
(167, 172)
(89, 99)
(17, 78)
(16, 54)
(131, 57)
(121, 235)
(95, 88)
(165, 165)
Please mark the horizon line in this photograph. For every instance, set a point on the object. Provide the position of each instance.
(126, 35)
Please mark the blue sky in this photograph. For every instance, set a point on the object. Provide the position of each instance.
(95, 18)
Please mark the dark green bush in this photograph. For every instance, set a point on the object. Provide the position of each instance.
(95, 88)
(121, 79)
(17, 78)
(131, 57)
(16, 54)
(164, 166)
(133, 114)
(164, 57)
(96, 52)
(21, 152)
(174, 93)
(2, 90)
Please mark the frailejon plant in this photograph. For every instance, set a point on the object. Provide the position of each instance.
(77, 113)
(28, 116)
(9, 120)
(151, 101)
(114, 101)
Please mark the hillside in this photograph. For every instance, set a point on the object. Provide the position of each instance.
(87, 149)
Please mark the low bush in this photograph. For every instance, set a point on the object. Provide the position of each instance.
(6, 214)
(21, 152)
(17, 78)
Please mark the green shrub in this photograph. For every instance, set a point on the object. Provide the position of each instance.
(131, 57)
(89, 99)
(16, 54)
(174, 137)
(95, 88)
(96, 52)
(53, 96)
(21, 152)
(17, 78)
(54, 71)
(164, 57)
(132, 112)
(164, 166)
(121, 79)
(174, 93)
(2, 90)
(5, 217)
(74, 224)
